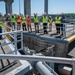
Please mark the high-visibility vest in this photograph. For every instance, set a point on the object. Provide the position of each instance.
(50, 20)
(58, 20)
(23, 22)
(36, 20)
(28, 21)
(45, 19)
(12, 19)
(19, 19)
(0, 24)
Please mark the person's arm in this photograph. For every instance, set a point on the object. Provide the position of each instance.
(64, 19)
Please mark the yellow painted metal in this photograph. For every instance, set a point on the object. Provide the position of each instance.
(70, 39)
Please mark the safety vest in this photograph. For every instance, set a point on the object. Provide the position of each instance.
(12, 19)
(28, 21)
(19, 19)
(0, 24)
(23, 22)
(58, 20)
(36, 20)
(45, 19)
(50, 20)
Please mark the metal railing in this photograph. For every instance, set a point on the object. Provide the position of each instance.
(70, 61)
(33, 58)
(15, 41)
(68, 28)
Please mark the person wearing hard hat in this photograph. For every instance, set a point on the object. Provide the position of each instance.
(50, 23)
(13, 21)
(58, 23)
(8, 21)
(36, 21)
(63, 19)
(1, 23)
(28, 21)
(45, 22)
(24, 24)
(18, 22)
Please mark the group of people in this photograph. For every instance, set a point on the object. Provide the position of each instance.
(26, 23)
(14, 21)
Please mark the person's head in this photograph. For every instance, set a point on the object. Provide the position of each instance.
(35, 14)
(62, 14)
(12, 15)
(58, 15)
(44, 13)
(50, 16)
(8, 15)
(18, 16)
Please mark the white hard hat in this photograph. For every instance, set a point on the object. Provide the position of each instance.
(8, 14)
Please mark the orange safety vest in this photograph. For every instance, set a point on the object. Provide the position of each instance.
(28, 20)
(18, 19)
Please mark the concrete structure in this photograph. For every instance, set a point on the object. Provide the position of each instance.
(62, 46)
(46, 6)
(27, 6)
(8, 5)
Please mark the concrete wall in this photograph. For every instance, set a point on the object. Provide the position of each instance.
(31, 40)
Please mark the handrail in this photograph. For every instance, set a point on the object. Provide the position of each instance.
(65, 31)
(70, 61)
(15, 41)
(39, 58)
(12, 32)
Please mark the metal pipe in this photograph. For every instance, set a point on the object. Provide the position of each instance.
(19, 31)
(43, 69)
(22, 40)
(41, 58)
(4, 53)
(38, 58)
(10, 43)
(15, 39)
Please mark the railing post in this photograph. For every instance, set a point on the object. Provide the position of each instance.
(21, 26)
(15, 39)
(65, 30)
(22, 39)
(73, 28)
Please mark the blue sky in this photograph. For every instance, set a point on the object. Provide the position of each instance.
(37, 6)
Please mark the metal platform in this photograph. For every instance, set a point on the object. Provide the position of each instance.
(72, 53)
(7, 65)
